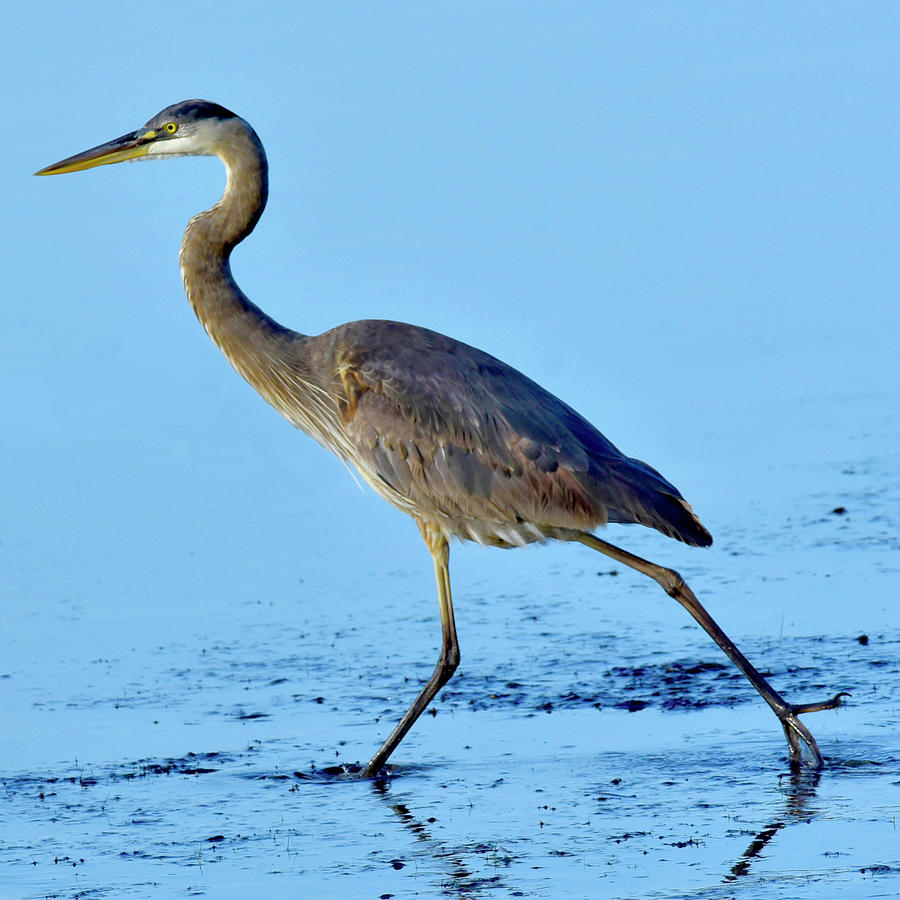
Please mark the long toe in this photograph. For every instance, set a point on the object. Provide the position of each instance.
(801, 708)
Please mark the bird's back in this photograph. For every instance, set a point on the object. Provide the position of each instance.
(460, 439)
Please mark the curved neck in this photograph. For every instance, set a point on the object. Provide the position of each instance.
(272, 358)
(243, 332)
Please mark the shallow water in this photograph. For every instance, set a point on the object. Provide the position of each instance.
(593, 738)
(685, 225)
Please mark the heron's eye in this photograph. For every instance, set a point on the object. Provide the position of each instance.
(171, 127)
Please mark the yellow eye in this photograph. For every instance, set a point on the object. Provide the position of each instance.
(171, 127)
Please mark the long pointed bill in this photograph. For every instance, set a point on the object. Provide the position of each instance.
(129, 146)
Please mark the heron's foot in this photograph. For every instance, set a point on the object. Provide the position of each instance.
(347, 772)
(799, 736)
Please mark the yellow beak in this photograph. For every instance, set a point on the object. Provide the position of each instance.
(129, 146)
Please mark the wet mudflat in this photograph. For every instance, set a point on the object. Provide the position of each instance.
(683, 224)
(182, 733)
(680, 219)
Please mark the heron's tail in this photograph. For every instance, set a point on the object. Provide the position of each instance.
(646, 498)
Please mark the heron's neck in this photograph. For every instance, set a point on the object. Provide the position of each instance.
(272, 358)
(244, 333)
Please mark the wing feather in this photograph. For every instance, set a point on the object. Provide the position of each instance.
(456, 433)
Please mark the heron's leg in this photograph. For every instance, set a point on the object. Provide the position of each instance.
(447, 661)
(673, 584)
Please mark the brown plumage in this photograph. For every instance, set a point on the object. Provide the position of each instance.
(464, 443)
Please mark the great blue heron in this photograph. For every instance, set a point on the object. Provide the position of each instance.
(465, 444)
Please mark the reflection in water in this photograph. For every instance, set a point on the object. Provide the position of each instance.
(801, 789)
(461, 881)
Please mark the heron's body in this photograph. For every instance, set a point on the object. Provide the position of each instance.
(464, 443)
(441, 430)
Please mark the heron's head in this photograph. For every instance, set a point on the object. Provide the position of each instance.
(189, 128)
